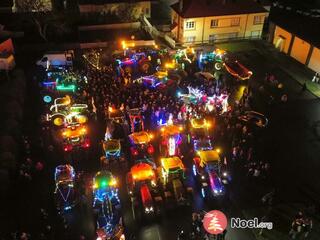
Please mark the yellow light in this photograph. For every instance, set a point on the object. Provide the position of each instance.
(113, 182)
(83, 130)
(151, 136)
(218, 150)
(180, 128)
(162, 129)
(95, 185)
(110, 109)
(208, 124)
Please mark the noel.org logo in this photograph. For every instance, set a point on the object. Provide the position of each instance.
(215, 222)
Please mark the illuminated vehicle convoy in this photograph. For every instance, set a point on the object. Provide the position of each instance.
(106, 205)
(207, 170)
(143, 188)
(65, 196)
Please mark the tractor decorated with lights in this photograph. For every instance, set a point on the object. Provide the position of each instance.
(214, 58)
(75, 136)
(207, 169)
(64, 112)
(65, 194)
(113, 156)
(135, 62)
(106, 205)
(140, 140)
(172, 177)
(143, 188)
(170, 140)
(199, 129)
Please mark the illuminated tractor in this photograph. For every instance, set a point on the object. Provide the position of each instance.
(214, 58)
(140, 140)
(75, 136)
(106, 205)
(207, 169)
(199, 129)
(113, 156)
(135, 62)
(143, 188)
(184, 57)
(172, 176)
(171, 140)
(58, 82)
(65, 195)
(116, 115)
(162, 79)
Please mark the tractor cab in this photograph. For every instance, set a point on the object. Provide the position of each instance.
(75, 135)
(171, 140)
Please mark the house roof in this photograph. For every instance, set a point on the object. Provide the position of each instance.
(102, 2)
(302, 25)
(207, 8)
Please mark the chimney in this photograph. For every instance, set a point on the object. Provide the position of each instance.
(180, 5)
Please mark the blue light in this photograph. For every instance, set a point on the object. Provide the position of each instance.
(194, 170)
(47, 99)
(203, 193)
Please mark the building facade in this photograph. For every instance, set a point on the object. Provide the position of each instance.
(193, 26)
(295, 35)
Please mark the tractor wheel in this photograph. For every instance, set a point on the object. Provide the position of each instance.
(218, 66)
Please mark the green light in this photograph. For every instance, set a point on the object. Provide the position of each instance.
(71, 87)
(104, 183)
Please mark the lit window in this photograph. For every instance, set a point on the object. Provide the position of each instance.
(190, 25)
(235, 21)
(258, 19)
(214, 23)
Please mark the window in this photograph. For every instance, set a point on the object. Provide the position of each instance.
(214, 23)
(190, 25)
(235, 21)
(258, 19)
(190, 39)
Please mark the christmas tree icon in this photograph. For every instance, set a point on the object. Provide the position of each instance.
(214, 224)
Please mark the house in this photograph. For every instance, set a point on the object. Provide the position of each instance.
(203, 21)
(295, 32)
(137, 7)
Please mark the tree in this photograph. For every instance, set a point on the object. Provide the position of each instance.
(40, 13)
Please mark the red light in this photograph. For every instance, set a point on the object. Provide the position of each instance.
(134, 151)
(67, 148)
(150, 149)
(196, 160)
(86, 144)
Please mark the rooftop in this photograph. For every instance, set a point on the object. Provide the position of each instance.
(101, 2)
(300, 22)
(207, 8)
